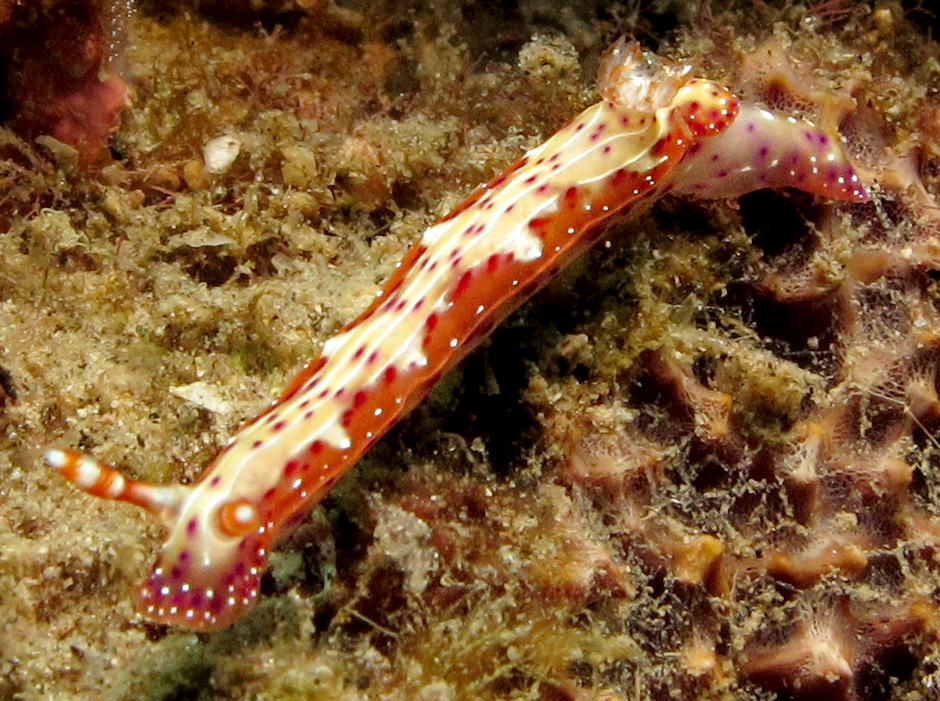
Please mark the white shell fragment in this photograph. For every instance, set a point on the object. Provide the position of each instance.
(219, 153)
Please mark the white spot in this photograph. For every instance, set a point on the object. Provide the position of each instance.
(164, 591)
(55, 458)
(117, 487)
(454, 343)
(245, 513)
(529, 248)
(88, 474)
(377, 412)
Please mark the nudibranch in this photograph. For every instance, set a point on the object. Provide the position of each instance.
(655, 130)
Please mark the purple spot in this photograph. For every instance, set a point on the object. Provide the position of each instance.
(214, 482)
(715, 158)
(751, 128)
(823, 139)
(763, 151)
(257, 444)
(176, 573)
(191, 527)
(608, 148)
(542, 189)
(184, 556)
(279, 426)
(722, 173)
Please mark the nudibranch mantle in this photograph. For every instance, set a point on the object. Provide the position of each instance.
(655, 130)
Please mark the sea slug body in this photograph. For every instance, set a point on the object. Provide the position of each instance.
(654, 131)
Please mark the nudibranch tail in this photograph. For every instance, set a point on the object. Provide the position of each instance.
(655, 130)
(765, 149)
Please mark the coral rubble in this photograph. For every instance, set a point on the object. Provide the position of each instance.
(59, 59)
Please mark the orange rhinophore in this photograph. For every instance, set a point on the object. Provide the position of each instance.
(656, 130)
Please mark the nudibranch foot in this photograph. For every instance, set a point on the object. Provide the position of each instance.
(655, 131)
